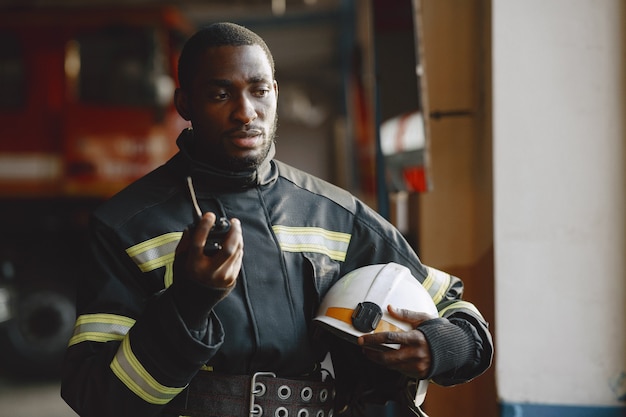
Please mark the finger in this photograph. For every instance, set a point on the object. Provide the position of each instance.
(233, 240)
(231, 269)
(201, 232)
(231, 245)
(410, 338)
(414, 362)
(411, 358)
(231, 255)
(414, 318)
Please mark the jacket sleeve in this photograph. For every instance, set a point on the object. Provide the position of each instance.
(460, 341)
(131, 352)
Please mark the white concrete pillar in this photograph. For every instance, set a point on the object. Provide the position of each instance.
(560, 206)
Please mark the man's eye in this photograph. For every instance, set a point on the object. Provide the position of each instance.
(262, 92)
(217, 94)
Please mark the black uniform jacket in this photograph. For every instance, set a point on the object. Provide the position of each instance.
(131, 352)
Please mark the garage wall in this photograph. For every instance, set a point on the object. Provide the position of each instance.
(456, 219)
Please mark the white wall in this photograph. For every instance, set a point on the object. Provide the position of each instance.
(560, 200)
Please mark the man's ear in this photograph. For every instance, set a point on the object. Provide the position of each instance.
(181, 101)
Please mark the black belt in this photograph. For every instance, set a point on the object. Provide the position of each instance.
(261, 395)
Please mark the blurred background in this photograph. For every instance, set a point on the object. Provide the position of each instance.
(491, 133)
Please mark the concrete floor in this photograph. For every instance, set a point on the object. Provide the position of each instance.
(32, 399)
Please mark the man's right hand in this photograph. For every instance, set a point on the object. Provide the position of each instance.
(219, 271)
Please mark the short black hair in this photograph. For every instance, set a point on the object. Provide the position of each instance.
(216, 34)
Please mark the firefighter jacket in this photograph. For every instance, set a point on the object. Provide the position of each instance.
(131, 353)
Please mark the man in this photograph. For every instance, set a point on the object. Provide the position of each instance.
(164, 329)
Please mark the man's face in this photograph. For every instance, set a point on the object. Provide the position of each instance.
(232, 107)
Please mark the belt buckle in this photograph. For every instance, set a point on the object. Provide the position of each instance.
(258, 390)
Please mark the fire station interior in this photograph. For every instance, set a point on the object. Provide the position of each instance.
(345, 69)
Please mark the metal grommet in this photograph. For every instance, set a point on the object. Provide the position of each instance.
(306, 394)
(284, 392)
(324, 395)
(257, 410)
(281, 412)
(333, 393)
(331, 413)
(320, 413)
(303, 412)
(259, 389)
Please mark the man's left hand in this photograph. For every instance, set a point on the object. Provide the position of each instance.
(412, 358)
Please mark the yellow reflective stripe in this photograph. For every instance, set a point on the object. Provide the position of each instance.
(100, 328)
(131, 372)
(460, 305)
(168, 279)
(156, 252)
(313, 239)
(436, 283)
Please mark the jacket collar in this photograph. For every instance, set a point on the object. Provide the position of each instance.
(217, 179)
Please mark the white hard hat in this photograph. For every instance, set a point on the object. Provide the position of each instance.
(357, 303)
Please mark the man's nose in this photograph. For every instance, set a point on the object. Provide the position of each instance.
(244, 110)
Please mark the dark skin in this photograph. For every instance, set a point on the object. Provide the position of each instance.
(232, 108)
(220, 270)
(413, 356)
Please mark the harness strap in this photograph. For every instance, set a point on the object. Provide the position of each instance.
(262, 395)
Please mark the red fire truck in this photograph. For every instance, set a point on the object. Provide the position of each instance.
(85, 108)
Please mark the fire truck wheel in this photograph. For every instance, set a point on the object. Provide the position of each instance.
(33, 342)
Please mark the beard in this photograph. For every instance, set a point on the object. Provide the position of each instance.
(252, 162)
(219, 157)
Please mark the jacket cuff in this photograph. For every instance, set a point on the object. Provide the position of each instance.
(451, 346)
(194, 302)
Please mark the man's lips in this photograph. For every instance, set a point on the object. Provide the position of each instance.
(246, 139)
